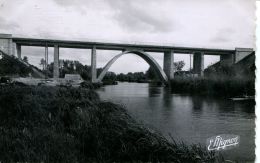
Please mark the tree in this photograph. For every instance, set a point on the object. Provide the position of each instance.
(9, 65)
(110, 76)
(179, 65)
(25, 59)
(43, 63)
(151, 74)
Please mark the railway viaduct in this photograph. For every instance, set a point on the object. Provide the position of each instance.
(12, 46)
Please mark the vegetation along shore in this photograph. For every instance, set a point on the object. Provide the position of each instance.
(40, 123)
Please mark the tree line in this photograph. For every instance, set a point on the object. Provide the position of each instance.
(75, 67)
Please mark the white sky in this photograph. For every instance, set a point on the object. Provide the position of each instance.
(201, 23)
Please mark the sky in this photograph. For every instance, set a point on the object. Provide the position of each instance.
(224, 24)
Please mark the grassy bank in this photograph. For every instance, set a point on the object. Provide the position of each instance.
(227, 87)
(59, 124)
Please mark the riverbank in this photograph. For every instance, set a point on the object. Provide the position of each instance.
(40, 123)
(226, 87)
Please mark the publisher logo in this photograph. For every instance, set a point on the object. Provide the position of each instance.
(222, 142)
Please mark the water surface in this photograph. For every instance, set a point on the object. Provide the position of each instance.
(191, 119)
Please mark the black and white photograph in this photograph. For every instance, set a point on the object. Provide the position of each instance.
(128, 81)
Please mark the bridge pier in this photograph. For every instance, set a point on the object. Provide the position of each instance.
(19, 51)
(46, 56)
(168, 66)
(241, 53)
(93, 65)
(56, 72)
(6, 44)
(198, 63)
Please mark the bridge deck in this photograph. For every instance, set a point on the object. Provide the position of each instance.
(116, 46)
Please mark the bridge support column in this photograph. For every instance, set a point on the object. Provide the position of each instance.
(168, 66)
(19, 51)
(6, 44)
(46, 56)
(93, 65)
(56, 73)
(198, 63)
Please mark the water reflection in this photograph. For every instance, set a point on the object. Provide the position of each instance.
(191, 119)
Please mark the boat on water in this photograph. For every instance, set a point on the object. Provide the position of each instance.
(243, 98)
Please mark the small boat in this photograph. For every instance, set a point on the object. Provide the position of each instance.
(243, 98)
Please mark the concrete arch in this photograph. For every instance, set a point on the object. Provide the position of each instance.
(141, 54)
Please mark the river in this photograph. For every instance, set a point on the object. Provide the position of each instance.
(191, 119)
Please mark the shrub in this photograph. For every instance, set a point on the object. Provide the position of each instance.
(226, 87)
